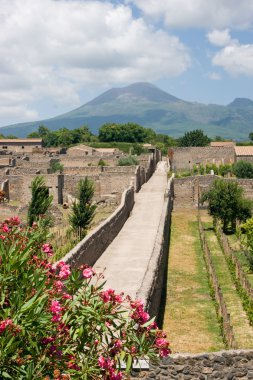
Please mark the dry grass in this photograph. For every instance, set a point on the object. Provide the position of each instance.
(190, 318)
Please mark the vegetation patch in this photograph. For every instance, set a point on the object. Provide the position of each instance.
(190, 317)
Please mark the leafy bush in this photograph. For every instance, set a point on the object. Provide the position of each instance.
(225, 169)
(61, 323)
(210, 167)
(243, 169)
(101, 162)
(128, 161)
(56, 166)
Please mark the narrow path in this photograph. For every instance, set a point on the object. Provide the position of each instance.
(126, 259)
(190, 317)
(243, 332)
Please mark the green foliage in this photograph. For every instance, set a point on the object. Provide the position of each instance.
(63, 137)
(225, 169)
(251, 136)
(40, 201)
(101, 162)
(83, 210)
(138, 149)
(226, 202)
(243, 169)
(247, 240)
(62, 323)
(128, 161)
(129, 132)
(56, 166)
(194, 138)
(213, 167)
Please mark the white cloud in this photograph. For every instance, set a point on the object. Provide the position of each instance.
(199, 13)
(54, 49)
(214, 76)
(220, 37)
(235, 59)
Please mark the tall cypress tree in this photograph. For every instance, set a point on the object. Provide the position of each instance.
(83, 210)
(40, 201)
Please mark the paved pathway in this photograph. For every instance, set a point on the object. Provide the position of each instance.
(126, 259)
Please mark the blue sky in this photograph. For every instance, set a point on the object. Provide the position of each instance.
(58, 54)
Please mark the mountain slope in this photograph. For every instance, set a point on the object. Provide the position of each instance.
(146, 104)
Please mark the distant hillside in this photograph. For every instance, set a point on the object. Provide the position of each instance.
(149, 106)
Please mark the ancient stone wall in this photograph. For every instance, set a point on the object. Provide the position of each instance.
(186, 158)
(69, 161)
(223, 365)
(93, 245)
(188, 190)
(150, 290)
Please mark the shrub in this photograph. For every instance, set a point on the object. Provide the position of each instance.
(101, 162)
(225, 169)
(128, 161)
(56, 166)
(243, 169)
(60, 323)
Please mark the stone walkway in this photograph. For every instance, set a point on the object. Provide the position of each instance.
(127, 257)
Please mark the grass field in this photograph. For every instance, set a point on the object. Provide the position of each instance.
(190, 317)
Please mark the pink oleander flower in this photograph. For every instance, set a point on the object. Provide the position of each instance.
(15, 221)
(58, 285)
(48, 340)
(164, 352)
(64, 270)
(67, 296)
(5, 228)
(55, 307)
(105, 363)
(56, 318)
(47, 248)
(4, 324)
(2, 237)
(161, 343)
(88, 272)
(136, 304)
(116, 375)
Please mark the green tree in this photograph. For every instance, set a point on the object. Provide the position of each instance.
(33, 135)
(83, 210)
(40, 202)
(243, 169)
(194, 138)
(227, 203)
(251, 136)
(129, 132)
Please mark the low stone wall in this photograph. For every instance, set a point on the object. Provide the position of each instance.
(151, 288)
(229, 365)
(93, 245)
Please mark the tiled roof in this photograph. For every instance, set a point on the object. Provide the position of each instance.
(244, 150)
(20, 141)
(222, 143)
